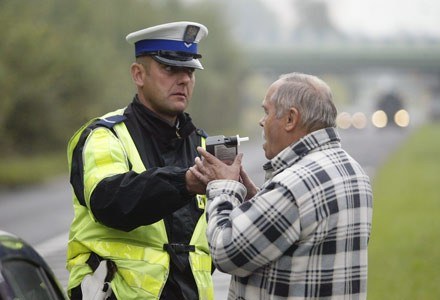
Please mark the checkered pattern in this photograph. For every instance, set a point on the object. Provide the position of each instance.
(304, 235)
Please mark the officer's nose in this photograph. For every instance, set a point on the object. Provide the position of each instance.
(186, 75)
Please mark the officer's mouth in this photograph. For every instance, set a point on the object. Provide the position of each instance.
(180, 95)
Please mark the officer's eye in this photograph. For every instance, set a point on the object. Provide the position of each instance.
(169, 69)
(175, 69)
(190, 71)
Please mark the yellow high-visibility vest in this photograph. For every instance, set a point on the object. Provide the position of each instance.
(142, 263)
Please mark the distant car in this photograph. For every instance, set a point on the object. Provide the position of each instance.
(391, 112)
(23, 272)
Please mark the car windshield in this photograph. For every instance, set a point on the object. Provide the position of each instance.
(28, 281)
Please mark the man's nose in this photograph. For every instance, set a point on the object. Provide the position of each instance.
(184, 76)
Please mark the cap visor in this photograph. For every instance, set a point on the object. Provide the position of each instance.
(193, 63)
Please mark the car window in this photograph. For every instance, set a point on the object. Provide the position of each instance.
(29, 281)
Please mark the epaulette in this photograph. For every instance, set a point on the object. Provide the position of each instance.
(201, 132)
(76, 175)
(111, 121)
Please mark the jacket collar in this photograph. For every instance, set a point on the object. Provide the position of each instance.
(323, 139)
(158, 127)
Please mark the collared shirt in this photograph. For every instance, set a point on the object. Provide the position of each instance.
(304, 235)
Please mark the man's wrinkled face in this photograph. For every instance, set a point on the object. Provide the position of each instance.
(273, 127)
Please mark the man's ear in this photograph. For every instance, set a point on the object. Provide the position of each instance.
(137, 74)
(292, 119)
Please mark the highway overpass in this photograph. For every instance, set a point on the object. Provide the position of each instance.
(346, 58)
(367, 72)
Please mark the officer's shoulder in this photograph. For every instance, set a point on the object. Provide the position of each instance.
(109, 121)
(201, 132)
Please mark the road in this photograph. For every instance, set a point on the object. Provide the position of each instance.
(41, 214)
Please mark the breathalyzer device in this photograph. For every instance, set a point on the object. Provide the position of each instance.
(224, 148)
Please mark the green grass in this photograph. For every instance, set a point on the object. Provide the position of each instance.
(22, 170)
(404, 251)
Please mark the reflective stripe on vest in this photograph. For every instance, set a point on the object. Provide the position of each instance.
(142, 271)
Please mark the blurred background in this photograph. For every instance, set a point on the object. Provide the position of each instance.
(63, 62)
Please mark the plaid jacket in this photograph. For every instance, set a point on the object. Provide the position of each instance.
(304, 235)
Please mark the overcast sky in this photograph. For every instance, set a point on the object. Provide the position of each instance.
(376, 18)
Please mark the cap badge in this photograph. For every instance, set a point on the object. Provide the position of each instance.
(190, 34)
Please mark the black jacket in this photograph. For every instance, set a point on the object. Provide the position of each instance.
(127, 201)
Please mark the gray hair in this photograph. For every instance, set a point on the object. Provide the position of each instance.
(311, 96)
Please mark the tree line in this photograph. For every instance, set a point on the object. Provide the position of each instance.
(63, 62)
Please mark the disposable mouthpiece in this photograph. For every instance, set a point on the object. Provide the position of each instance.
(242, 139)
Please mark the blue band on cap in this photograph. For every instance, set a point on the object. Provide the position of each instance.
(156, 45)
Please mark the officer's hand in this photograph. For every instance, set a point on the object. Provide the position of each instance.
(193, 184)
(211, 168)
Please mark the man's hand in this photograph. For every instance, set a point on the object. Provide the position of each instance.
(211, 168)
(251, 188)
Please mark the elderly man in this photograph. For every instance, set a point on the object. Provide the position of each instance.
(304, 235)
(139, 226)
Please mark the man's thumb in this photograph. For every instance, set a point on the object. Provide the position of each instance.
(238, 158)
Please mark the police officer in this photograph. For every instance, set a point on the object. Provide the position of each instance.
(139, 226)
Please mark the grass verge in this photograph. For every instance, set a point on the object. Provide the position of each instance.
(404, 252)
(22, 170)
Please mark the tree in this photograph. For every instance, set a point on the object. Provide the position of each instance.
(63, 62)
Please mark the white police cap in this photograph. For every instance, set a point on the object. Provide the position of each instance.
(173, 44)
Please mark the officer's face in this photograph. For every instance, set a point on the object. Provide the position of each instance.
(166, 90)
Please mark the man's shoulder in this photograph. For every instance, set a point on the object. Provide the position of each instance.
(110, 119)
(202, 133)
